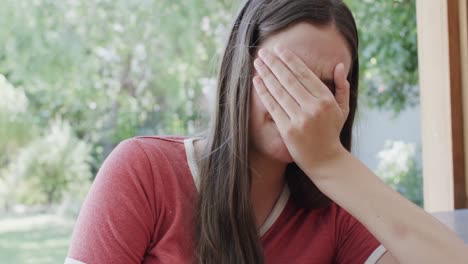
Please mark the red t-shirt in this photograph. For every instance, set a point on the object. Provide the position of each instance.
(141, 209)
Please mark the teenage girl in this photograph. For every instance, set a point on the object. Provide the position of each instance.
(273, 180)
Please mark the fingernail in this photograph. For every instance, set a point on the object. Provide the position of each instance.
(262, 52)
(341, 65)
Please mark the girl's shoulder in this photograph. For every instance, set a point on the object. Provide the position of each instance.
(154, 156)
(154, 148)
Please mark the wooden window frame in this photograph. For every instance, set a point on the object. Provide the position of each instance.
(443, 73)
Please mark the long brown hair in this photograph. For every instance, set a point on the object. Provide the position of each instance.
(226, 231)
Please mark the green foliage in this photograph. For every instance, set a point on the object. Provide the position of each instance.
(110, 65)
(49, 166)
(399, 168)
(115, 69)
(110, 69)
(388, 52)
(15, 130)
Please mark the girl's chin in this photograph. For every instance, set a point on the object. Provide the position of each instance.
(286, 157)
(280, 152)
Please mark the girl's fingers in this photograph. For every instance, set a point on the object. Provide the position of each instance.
(341, 88)
(302, 72)
(273, 107)
(282, 96)
(286, 78)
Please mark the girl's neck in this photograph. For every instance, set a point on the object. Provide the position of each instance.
(267, 181)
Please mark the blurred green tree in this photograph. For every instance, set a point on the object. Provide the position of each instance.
(399, 168)
(55, 163)
(112, 68)
(388, 53)
(116, 69)
(15, 130)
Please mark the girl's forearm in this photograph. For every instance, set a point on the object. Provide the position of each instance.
(409, 233)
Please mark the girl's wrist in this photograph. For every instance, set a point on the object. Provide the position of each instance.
(325, 166)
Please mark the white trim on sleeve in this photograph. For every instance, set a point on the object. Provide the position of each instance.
(376, 255)
(73, 261)
(192, 161)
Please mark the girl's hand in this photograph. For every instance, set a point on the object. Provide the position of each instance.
(308, 116)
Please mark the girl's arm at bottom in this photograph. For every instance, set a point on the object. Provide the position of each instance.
(410, 234)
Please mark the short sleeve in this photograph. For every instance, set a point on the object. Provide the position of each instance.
(117, 218)
(354, 243)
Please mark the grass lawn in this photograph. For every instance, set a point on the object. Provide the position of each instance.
(34, 239)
